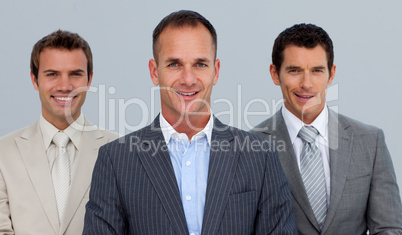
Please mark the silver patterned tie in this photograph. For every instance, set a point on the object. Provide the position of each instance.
(312, 172)
(61, 172)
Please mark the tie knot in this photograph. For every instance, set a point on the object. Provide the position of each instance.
(308, 134)
(61, 139)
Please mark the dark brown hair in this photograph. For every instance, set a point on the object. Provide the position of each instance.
(60, 39)
(302, 35)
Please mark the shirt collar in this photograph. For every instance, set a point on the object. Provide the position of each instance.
(169, 132)
(73, 131)
(294, 124)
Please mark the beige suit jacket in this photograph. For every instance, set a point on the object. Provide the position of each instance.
(27, 199)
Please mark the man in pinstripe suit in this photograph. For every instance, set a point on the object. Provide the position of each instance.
(187, 173)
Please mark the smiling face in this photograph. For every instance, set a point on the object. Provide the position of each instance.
(303, 78)
(62, 84)
(186, 71)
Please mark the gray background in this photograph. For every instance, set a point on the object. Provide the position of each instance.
(367, 37)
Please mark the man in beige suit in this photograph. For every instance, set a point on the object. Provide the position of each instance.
(44, 184)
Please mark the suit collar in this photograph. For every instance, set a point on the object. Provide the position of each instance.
(32, 148)
(277, 127)
(154, 156)
(222, 168)
(33, 153)
(340, 147)
(84, 163)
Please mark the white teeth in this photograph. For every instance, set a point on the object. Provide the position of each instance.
(64, 98)
(303, 96)
(187, 94)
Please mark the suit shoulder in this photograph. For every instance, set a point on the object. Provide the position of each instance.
(124, 141)
(110, 134)
(268, 125)
(357, 126)
(8, 138)
(249, 141)
(263, 126)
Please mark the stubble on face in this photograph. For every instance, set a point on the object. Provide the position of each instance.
(186, 72)
(303, 78)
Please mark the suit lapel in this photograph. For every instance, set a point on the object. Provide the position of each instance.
(289, 164)
(341, 142)
(222, 168)
(156, 161)
(33, 153)
(91, 141)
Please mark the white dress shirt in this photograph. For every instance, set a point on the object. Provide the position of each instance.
(73, 131)
(294, 125)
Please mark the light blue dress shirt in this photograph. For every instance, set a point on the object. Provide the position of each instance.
(190, 160)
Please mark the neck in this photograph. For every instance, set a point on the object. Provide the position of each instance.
(308, 120)
(61, 123)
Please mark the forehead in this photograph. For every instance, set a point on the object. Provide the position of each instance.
(55, 57)
(185, 38)
(295, 55)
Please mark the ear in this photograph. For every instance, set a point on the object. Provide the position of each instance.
(331, 78)
(217, 67)
(34, 81)
(90, 79)
(153, 71)
(274, 74)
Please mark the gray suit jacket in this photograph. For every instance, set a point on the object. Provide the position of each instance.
(27, 199)
(134, 189)
(364, 193)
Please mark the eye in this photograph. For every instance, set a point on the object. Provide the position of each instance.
(318, 71)
(293, 71)
(201, 65)
(52, 74)
(173, 65)
(77, 74)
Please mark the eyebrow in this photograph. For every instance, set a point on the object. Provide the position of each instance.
(50, 71)
(319, 67)
(298, 67)
(176, 60)
(78, 71)
(292, 67)
(205, 60)
(172, 60)
(55, 71)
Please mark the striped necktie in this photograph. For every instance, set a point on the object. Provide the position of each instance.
(312, 172)
(61, 172)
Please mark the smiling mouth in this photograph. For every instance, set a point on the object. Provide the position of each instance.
(186, 93)
(305, 96)
(64, 99)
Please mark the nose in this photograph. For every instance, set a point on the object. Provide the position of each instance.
(64, 83)
(306, 81)
(188, 77)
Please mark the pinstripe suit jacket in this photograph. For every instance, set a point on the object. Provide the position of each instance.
(364, 193)
(134, 190)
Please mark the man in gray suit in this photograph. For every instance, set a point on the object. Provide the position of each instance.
(339, 170)
(46, 168)
(187, 173)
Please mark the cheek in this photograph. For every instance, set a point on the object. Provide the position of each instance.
(286, 88)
